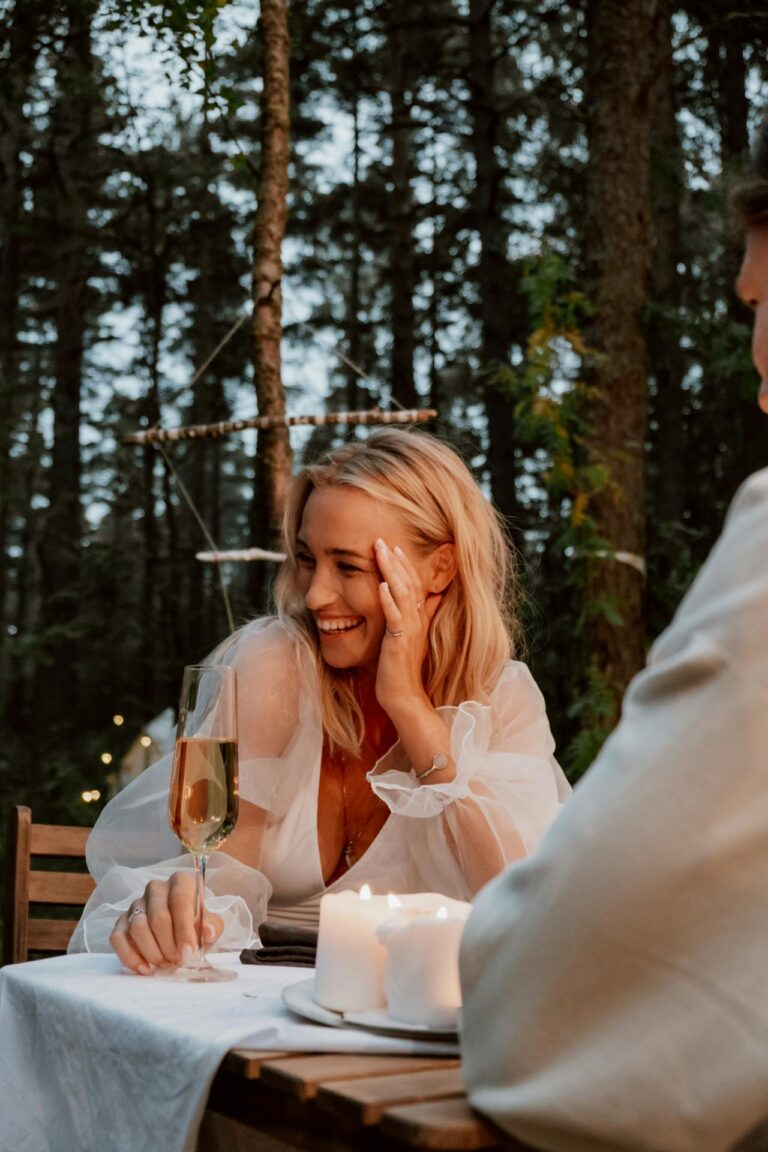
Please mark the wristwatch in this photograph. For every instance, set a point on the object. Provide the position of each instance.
(439, 760)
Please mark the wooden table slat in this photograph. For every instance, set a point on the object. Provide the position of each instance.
(449, 1125)
(301, 1076)
(363, 1101)
(247, 1062)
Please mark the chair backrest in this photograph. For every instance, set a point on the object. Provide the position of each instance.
(30, 889)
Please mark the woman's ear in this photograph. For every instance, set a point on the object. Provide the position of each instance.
(442, 568)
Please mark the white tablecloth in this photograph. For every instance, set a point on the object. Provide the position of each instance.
(93, 1059)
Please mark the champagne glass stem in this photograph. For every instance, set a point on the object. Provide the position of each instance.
(200, 862)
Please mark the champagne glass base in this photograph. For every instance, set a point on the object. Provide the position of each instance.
(196, 974)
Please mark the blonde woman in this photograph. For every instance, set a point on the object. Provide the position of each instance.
(386, 734)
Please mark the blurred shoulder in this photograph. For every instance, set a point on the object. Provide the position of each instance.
(266, 638)
(516, 682)
(752, 496)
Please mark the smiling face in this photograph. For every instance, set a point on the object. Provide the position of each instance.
(338, 575)
(752, 287)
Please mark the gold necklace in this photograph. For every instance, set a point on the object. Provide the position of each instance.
(350, 841)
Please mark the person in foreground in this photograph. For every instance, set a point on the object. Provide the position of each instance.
(385, 734)
(616, 984)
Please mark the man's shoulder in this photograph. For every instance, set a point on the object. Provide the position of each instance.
(754, 490)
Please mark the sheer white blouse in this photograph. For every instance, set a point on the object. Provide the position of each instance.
(507, 790)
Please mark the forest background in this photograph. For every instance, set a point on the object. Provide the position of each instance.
(511, 212)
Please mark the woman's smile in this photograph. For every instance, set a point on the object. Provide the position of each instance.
(338, 573)
(337, 627)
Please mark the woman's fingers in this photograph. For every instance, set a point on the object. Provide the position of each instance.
(401, 589)
(181, 905)
(160, 920)
(127, 951)
(213, 927)
(159, 930)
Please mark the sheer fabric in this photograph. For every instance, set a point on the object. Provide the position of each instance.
(507, 790)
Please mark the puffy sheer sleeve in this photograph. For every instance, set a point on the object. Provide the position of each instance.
(507, 790)
(132, 843)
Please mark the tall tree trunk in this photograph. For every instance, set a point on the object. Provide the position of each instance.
(273, 453)
(402, 263)
(667, 496)
(494, 281)
(71, 157)
(21, 36)
(620, 39)
(352, 321)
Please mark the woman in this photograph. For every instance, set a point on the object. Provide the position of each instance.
(386, 736)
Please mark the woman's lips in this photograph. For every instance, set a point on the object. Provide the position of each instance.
(338, 627)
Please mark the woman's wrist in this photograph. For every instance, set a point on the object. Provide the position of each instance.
(426, 742)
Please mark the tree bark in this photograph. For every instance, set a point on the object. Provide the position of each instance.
(71, 154)
(273, 454)
(353, 303)
(21, 33)
(667, 487)
(620, 58)
(402, 265)
(494, 281)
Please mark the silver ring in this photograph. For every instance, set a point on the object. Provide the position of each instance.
(399, 586)
(394, 634)
(137, 911)
(420, 603)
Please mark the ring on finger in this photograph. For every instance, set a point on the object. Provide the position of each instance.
(394, 635)
(420, 603)
(137, 910)
(399, 586)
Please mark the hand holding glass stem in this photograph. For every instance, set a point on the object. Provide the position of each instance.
(203, 799)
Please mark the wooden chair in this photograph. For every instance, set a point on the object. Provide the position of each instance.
(27, 887)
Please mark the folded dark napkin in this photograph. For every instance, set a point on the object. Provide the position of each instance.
(283, 944)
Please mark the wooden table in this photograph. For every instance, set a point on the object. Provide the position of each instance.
(332, 1103)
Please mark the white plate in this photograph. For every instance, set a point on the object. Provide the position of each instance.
(300, 999)
(377, 1020)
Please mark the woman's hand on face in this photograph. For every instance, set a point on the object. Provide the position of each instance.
(158, 929)
(408, 612)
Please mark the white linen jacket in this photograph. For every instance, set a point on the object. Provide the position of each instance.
(616, 983)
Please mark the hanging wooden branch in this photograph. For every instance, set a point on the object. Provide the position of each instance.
(239, 554)
(215, 431)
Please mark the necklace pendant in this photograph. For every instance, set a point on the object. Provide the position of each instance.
(349, 855)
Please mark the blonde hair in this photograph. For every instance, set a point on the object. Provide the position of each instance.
(430, 488)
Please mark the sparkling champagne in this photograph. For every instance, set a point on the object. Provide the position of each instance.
(203, 801)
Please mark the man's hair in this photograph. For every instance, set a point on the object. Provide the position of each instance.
(749, 198)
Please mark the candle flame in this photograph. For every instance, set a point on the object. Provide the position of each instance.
(442, 913)
(393, 902)
(365, 892)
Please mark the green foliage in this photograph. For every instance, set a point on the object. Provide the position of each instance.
(593, 712)
(185, 29)
(169, 203)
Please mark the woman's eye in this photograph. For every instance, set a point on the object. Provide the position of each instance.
(349, 569)
(304, 559)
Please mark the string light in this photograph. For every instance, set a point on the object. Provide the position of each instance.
(117, 719)
(145, 741)
(91, 795)
(106, 757)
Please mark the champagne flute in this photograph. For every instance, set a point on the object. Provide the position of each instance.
(203, 800)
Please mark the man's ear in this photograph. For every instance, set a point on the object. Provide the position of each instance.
(442, 568)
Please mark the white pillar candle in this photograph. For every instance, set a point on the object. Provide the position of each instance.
(349, 972)
(422, 965)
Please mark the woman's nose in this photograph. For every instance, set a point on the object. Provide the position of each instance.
(321, 590)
